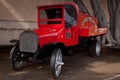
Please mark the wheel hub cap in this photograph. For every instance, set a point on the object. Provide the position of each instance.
(58, 63)
(97, 48)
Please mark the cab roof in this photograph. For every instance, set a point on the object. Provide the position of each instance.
(57, 5)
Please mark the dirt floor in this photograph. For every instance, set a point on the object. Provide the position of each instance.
(77, 67)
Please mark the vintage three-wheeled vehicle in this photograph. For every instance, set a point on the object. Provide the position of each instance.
(59, 27)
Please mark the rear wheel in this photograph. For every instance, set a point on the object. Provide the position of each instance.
(94, 48)
(16, 58)
(56, 63)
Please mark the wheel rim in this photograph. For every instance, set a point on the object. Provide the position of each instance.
(98, 48)
(58, 62)
(17, 60)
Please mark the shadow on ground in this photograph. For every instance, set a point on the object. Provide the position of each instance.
(77, 67)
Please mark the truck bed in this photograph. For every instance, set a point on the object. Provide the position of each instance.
(89, 32)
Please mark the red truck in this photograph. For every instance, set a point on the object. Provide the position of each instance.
(59, 27)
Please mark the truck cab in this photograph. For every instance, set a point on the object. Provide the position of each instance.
(58, 23)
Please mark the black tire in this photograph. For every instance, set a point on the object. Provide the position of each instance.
(16, 59)
(56, 63)
(94, 48)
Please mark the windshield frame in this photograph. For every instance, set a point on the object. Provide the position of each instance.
(58, 19)
(70, 16)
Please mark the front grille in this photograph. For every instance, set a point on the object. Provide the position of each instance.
(28, 42)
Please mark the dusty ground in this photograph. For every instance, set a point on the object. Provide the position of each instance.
(77, 67)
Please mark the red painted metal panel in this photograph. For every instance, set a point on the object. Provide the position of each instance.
(49, 33)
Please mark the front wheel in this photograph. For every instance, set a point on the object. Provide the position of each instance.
(95, 48)
(56, 63)
(16, 58)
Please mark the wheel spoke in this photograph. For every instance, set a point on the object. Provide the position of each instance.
(97, 48)
(57, 59)
(59, 62)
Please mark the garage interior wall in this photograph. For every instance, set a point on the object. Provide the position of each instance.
(18, 15)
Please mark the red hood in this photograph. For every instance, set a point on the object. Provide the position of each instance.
(49, 30)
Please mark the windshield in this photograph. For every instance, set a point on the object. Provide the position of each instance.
(51, 16)
(70, 16)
